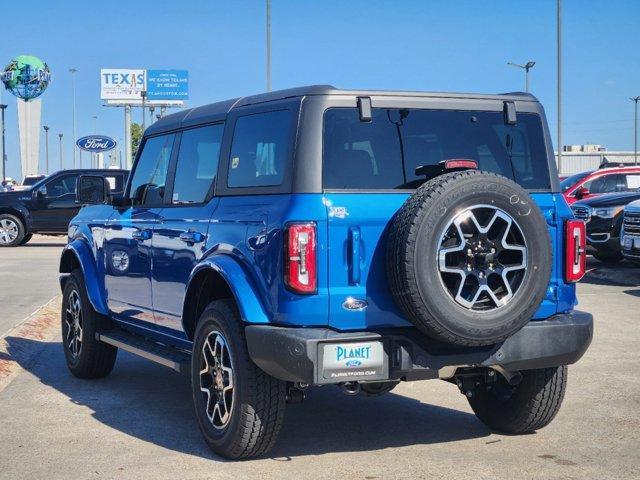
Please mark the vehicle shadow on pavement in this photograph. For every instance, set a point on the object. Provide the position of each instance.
(153, 403)
(619, 275)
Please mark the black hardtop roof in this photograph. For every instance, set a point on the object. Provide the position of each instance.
(218, 110)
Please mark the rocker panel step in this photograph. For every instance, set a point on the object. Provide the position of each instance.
(168, 356)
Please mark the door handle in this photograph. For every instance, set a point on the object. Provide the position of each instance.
(141, 235)
(192, 237)
(354, 255)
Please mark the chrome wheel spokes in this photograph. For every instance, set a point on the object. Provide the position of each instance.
(73, 320)
(216, 379)
(482, 258)
(8, 231)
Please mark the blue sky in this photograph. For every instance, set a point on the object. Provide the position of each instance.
(411, 45)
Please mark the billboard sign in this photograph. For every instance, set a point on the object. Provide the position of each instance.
(121, 83)
(96, 143)
(167, 84)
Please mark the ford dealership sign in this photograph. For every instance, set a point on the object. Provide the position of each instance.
(96, 143)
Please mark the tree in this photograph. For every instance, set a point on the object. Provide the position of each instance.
(136, 137)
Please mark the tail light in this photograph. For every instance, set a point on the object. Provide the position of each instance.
(300, 258)
(575, 250)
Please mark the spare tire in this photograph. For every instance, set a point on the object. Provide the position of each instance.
(469, 258)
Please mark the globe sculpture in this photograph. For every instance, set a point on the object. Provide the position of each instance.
(26, 76)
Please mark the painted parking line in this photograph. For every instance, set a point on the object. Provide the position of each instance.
(41, 325)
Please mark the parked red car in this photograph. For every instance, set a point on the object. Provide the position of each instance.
(598, 182)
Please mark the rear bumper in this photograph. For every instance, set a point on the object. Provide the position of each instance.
(295, 354)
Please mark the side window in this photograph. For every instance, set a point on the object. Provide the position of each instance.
(632, 181)
(259, 150)
(150, 175)
(603, 184)
(60, 186)
(197, 163)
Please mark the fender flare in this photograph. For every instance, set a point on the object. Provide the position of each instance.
(94, 283)
(241, 285)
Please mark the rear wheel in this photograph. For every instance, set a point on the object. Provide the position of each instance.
(239, 408)
(526, 407)
(11, 230)
(86, 356)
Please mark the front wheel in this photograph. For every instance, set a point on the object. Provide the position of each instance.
(239, 407)
(11, 231)
(523, 408)
(86, 356)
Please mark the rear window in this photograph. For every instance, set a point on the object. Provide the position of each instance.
(384, 153)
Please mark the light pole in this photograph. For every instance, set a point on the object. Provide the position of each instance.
(635, 130)
(94, 157)
(3, 155)
(559, 86)
(268, 45)
(46, 148)
(73, 90)
(61, 157)
(143, 94)
(526, 67)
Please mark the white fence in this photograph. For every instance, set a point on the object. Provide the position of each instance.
(575, 162)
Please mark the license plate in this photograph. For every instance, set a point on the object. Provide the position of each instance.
(353, 361)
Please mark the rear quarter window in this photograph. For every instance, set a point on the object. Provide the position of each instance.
(259, 149)
(385, 152)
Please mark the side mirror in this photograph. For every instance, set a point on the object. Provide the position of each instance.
(581, 192)
(41, 192)
(92, 190)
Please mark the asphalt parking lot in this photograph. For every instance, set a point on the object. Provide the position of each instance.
(138, 422)
(28, 278)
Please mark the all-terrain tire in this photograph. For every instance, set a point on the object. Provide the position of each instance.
(413, 270)
(258, 400)
(527, 407)
(12, 222)
(88, 357)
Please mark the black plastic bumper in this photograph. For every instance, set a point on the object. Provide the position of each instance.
(295, 354)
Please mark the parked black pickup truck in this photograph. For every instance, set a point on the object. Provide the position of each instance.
(48, 206)
(603, 215)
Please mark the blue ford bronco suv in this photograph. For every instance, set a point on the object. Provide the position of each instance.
(318, 236)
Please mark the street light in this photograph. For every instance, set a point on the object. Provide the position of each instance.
(143, 94)
(73, 71)
(61, 157)
(527, 66)
(268, 45)
(46, 147)
(635, 130)
(3, 155)
(94, 157)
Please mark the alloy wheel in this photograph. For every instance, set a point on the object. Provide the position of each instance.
(8, 231)
(482, 258)
(73, 320)
(216, 379)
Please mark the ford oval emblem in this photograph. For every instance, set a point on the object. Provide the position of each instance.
(354, 304)
(96, 143)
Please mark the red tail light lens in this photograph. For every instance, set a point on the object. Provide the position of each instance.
(300, 258)
(575, 251)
